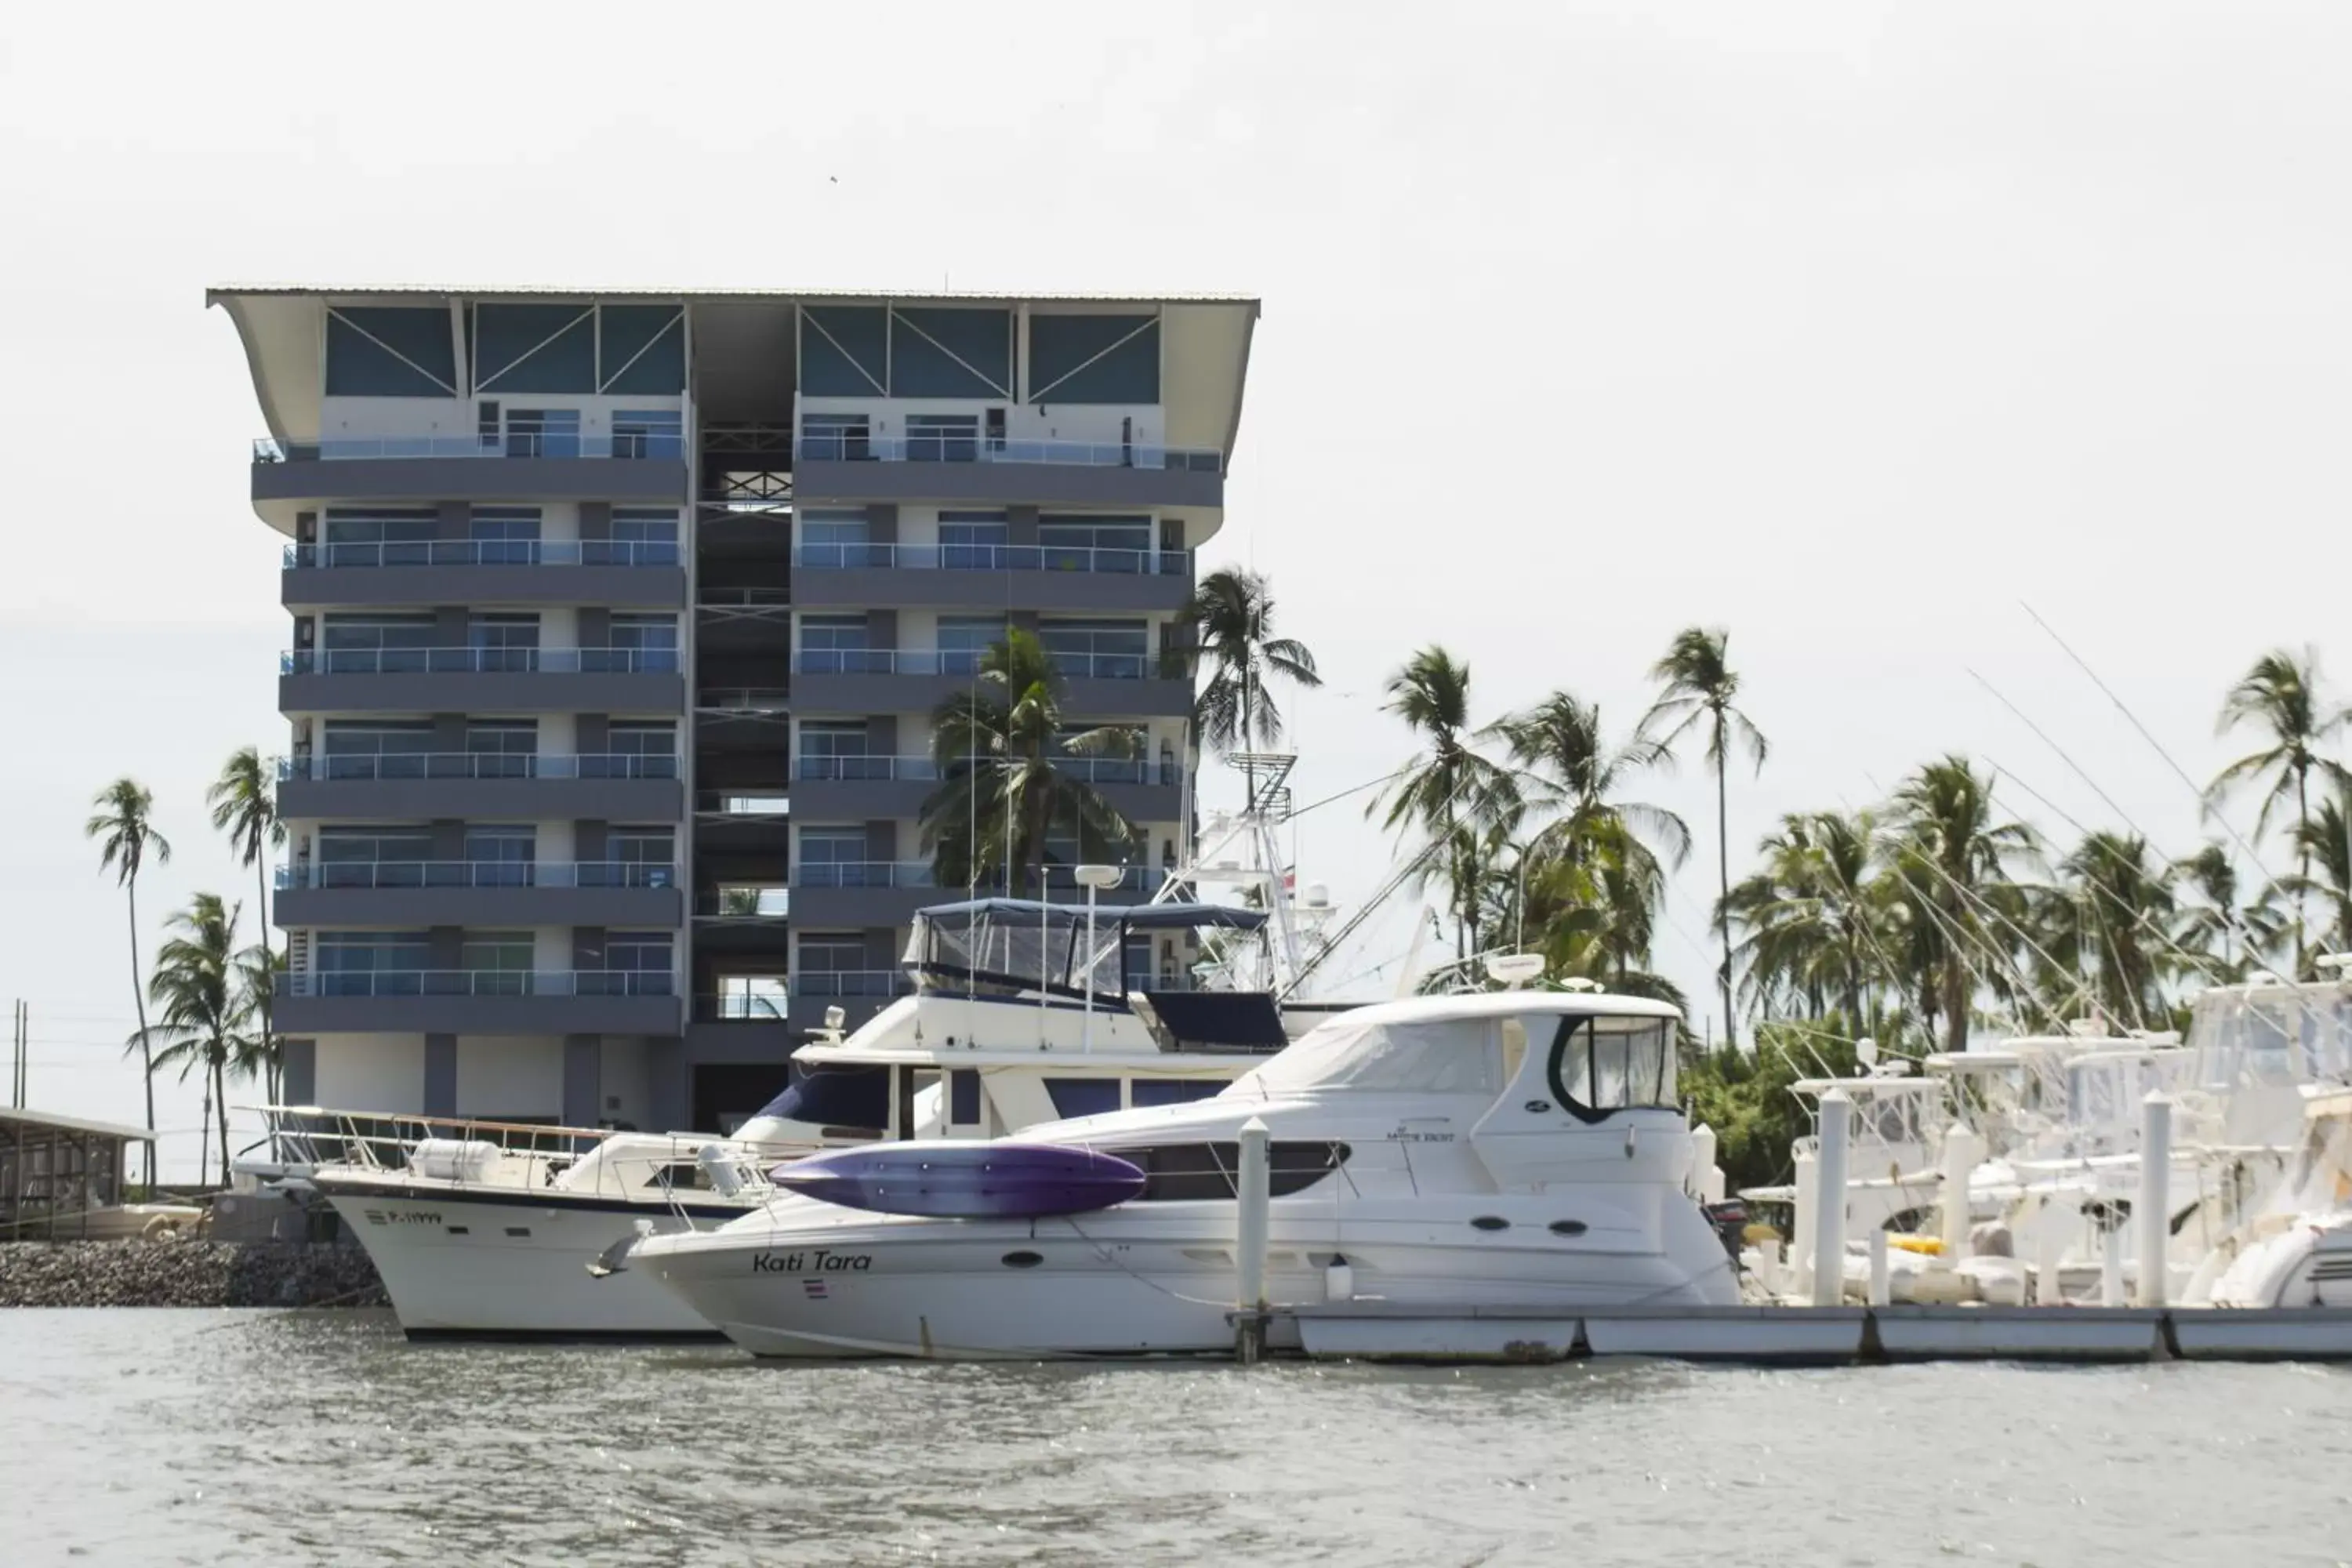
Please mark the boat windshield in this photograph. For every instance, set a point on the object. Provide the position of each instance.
(1597, 1063)
(836, 1095)
(1014, 945)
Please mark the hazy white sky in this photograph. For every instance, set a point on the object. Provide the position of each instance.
(1847, 327)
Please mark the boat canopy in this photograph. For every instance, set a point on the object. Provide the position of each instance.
(1027, 945)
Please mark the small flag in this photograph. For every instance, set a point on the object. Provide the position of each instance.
(1290, 878)
(815, 1289)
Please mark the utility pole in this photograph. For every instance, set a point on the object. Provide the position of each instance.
(22, 1020)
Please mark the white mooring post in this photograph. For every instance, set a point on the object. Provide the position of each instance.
(1800, 1254)
(2048, 1287)
(1882, 1284)
(1254, 1189)
(2111, 1266)
(1835, 1121)
(1962, 1152)
(2153, 1210)
(1706, 1177)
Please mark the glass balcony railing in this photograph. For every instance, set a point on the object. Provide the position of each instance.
(512, 444)
(475, 765)
(961, 662)
(854, 445)
(992, 558)
(863, 874)
(476, 982)
(866, 769)
(760, 699)
(484, 552)
(476, 874)
(851, 983)
(478, 661)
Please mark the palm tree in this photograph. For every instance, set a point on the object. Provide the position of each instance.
(2325, 838)
(2280, 697)
(1700, 687)
(245, 806)
(1953, 859)
(2227, 938)
(205, 1004)
(1000, 750)
(1449, 791)
(2106, 918)
(1813, 917)
(126, 838)
(1232, 618)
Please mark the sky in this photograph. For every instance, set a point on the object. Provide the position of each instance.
(1853, 328)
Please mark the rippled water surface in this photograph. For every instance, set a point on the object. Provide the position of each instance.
(284, 1437)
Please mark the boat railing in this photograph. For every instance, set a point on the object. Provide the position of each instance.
(304, 1137)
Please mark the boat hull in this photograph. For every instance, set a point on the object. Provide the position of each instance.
(1117, 1284)
(477, 1265)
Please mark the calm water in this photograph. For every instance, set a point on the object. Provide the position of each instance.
(146, 1436)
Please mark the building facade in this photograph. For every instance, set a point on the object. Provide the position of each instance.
(616, 624)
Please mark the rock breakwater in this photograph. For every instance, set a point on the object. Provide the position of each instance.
(186, 1274)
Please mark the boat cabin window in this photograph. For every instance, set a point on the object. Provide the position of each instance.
(1175, 1172)
(1150, 1091)
(1599, 1064)
(856, 1098)
(1077, 1097)
(680, 1175)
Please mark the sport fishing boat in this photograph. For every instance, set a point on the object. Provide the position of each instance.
(1519, 1148)
(1021, 1013)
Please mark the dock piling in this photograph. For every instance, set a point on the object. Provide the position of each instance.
(1253, 1191)
(2153, 1211)
(1835, 1123)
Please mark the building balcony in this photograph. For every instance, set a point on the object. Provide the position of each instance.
(870, 895)
(916, 680)
(843, 465)
(410, 894)
(855, 788)
(990, 576)
(617, 572)
(477, 1001)
(517, 467)
(481, 787)
(481, 680)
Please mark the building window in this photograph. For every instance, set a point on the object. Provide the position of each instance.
(835, 749)
(964, 638)
(371, 645)
(642, 536)
(943, 437)
(972, 541)
(497, 963)
(358, 856)
(831, 963)
(640, 749)
(504, 642)
(1095, 543)
(835, 437)
(648, 433)
(354, 537)
(1099, 650)
(372, 962)
(542, 432)
(835, 857)
(504, 535)
(501, 748)
(836, 645)
(502, 856)
(641, 857)
(642, 643)
(637, 963)
(362, 749)
(833, 540)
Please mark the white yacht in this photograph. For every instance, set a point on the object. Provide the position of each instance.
(1519, 1148)
(1021, 1013)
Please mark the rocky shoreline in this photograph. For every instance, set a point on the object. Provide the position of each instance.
(186, 1274)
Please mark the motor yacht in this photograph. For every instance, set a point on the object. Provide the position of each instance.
(1021, 1013)
(1521, 1148)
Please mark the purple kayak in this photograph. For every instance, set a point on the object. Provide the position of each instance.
(960, 1179)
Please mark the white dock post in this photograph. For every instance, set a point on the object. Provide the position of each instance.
(2153, 1209)
(1767, 1266)
(1882, 1287)
(1706, 1177)
(2111, 1268)
(1800, 1254)
(1835, 1123)
(1254, 1190)
(1961, 1153)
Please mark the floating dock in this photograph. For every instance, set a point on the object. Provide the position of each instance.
(1815, 1336)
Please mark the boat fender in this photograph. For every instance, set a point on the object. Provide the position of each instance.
(719, 1166)
(1338, 1280)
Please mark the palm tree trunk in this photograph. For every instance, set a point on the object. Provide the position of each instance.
(1248, 776)
(1956, 1004)
(1723, 869)
(2303, 871)
(220, 1098)
(146, 1050)
(269, 987)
